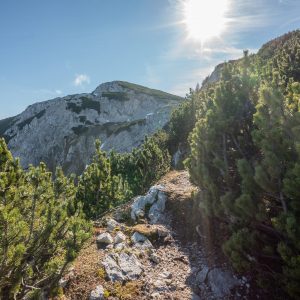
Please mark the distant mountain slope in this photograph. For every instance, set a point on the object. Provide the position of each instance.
(62, 131)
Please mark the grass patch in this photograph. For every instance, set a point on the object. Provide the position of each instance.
(86, 103)
(121, 96)
(151, 92)
(127, 291)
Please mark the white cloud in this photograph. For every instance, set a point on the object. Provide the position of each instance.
(58, 92)
(81, 79)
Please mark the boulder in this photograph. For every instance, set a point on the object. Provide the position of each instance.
(139, 205)
(97, 293)
(130, 266)
(111, 225)
(157, 208)
(104, 239)
(120, 237)
(122, 267)
(112, 269)
(221, 282)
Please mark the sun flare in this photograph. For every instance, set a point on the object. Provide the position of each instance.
(204, 19)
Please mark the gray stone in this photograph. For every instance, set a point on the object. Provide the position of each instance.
(130, 266)
(156, 199)
(144, 245)
(165, 275)
(154, 258)
(138, 238)
(221, 282)
(120, 237)
(111, 224)
(201, 276)
(120, 246)
(157, 208)
(112, 269)
(122, 267)
(97, 293)
(104, 238)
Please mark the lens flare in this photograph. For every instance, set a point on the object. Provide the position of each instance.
(204, 19)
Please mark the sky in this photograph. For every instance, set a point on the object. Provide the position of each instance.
(54, 48)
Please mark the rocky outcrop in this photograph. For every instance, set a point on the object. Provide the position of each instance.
(154, 202)
(62, 131)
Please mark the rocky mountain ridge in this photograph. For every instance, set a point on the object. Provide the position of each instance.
(62, 131)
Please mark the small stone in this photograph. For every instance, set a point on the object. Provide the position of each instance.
(138, 238)
(155, 296)
(155, 258)
(63, 282)
(111, 224)
(165, 275)
(120, 237)
(105, 238)
(120, 246)
(97, 293)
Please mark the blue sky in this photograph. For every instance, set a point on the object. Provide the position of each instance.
(54, 48)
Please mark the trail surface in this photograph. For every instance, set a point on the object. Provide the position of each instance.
(172, 262)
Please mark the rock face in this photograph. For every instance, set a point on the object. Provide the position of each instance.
(62, 131)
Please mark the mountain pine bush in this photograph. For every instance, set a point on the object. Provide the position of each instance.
(41, 227)
(245, 157)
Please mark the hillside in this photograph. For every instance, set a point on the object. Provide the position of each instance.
(62, 131)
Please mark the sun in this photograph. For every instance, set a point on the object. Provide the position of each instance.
(204, 19)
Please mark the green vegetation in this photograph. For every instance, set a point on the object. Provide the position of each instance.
(41, 227)
(151, 92)
(85, 103)
(245, 158)
(121, 96)
(115, 178)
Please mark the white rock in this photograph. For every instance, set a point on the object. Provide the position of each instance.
(97, 293)
(157, 208)
(111, 224)
(120, 237)
(138, 238)
(165, 275)
(155, 258)
(122, 267)
(104, 238)
(120, 246)
(63, 282)
(140, 202)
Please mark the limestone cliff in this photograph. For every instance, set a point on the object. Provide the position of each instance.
(62, 131)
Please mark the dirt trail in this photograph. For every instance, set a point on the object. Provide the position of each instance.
(180, 258)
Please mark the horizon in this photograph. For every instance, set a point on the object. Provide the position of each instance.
(55, 49)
